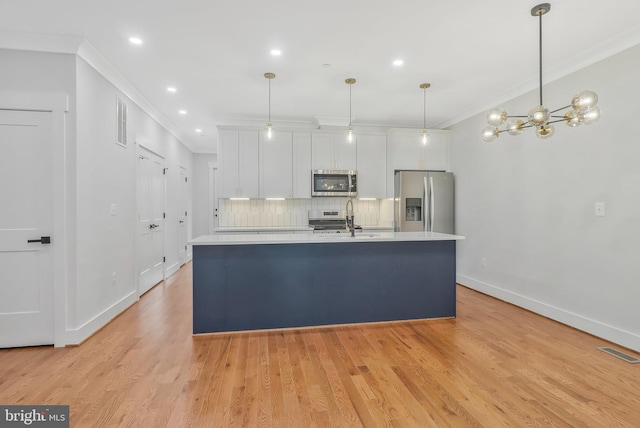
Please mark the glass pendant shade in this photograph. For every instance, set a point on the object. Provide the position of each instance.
(538, 115)
(584, 101)
(269, 132)
(496, 117)
(350, 135)
(490, 134)
(425, 137)
(514, 127)
(545, 131)
(572, 118)
(591, 116)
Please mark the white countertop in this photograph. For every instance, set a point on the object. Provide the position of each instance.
(231, 229)
(319, 238)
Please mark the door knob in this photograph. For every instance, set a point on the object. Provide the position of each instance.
(42, 240)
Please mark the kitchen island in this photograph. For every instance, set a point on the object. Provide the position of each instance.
(256, 281)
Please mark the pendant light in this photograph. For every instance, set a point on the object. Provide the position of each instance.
(425, 135)
(350, 81)
(269, 77)
(583, 106)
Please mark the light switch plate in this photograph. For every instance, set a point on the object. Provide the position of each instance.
(599, 209)
(114, 209)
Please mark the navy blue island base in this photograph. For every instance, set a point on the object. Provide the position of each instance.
(268, 286)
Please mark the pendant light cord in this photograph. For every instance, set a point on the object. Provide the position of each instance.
(350, 104)
(269, 100)
(424, 109)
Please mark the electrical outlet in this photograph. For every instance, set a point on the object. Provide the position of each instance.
(483, 262)
(114, 276)
(114, 209)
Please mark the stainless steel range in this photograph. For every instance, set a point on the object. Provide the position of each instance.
(329, 221)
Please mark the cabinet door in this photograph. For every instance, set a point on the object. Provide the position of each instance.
(436, 152)
(345, 153)
(276, 165)
(228, 161)
(372, 166)
(248, 164)
(301, 165)
(322, 151)
(408, 151)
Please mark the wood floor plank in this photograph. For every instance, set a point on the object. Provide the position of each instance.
(493, 365)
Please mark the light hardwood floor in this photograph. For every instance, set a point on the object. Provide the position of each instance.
(495, 365)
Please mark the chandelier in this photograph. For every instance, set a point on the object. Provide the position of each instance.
(583, 107)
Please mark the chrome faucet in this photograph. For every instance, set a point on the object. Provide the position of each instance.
(350, 224)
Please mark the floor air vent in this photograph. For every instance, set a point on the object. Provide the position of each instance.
(628, 358)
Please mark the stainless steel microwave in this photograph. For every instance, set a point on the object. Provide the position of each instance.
(333, 182)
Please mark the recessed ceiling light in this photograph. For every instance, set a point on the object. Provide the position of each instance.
(171, 89)
(135, 40)
(398, 62)
(327, 65)
(182, 112)
(198, 130)
(276, 52)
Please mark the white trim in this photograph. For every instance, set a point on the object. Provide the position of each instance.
(591, 326)
(38, 42)
(88, 53)
(172, 269)
(78, 335)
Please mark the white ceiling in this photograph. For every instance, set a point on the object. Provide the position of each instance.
(215, 52)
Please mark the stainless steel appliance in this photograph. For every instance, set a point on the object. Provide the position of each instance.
(333, 182)
(330, 221)
(423, 201)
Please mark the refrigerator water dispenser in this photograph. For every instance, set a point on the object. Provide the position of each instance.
(414, 209)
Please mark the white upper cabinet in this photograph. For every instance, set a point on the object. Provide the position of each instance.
(332, 151)
(228, 161)
(238, 160)
(406, 151)
(276, 165)
(301, 165)
(372, 166)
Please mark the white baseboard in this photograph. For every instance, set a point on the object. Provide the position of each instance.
(621, 337)
(172, 269)
(82, 333)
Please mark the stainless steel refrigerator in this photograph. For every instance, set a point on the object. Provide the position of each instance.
(423, 201)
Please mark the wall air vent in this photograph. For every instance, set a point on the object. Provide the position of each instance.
(121, 113)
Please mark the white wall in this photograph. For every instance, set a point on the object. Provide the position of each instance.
(527, 207)
(106, 174)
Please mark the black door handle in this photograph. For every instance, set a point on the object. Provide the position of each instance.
(153, 226)
(42, 240)
(181, 221)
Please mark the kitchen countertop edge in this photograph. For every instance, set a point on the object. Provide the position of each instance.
(288, 238)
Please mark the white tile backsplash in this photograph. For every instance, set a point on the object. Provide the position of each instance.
(293, 212)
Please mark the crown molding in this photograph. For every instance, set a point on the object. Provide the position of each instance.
(80, 47)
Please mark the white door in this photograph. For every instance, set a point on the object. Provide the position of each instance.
(182, 216)
(26, 201)
(150, 220)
